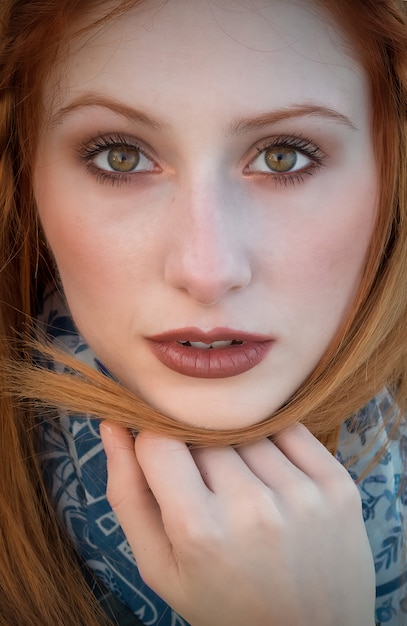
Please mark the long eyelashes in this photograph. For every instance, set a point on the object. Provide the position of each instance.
(299, 142)
(282, 160)
(299, 155)
(92, 151)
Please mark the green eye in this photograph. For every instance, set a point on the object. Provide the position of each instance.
(123, 159)
(280, 159)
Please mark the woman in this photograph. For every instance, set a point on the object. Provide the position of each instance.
(199, 173)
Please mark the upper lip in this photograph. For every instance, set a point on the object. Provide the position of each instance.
(216, 334)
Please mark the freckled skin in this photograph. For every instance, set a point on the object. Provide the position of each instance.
(205, 235)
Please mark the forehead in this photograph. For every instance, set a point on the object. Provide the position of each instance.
(216, 51)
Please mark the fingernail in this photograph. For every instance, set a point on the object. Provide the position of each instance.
(106, 426)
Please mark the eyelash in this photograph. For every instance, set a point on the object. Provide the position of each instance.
(95, 147)
(299, 143)
(303, 145)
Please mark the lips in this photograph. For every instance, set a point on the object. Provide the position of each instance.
(220, 353)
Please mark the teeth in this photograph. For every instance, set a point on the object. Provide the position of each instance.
(206, 346)
(221, 344)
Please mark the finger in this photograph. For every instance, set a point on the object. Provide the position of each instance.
(173, 477)
(132, 501)
(224, 471)
(124, 473)
(270, 464)
(309, 455)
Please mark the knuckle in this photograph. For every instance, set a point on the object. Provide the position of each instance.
(255, 511)
(115, 497)
(344, 493)
(340, 490)
(304, 498)
(192, 531)
(350, 498)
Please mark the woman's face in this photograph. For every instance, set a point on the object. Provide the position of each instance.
(206, 174)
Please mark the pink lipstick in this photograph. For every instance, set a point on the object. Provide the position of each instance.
(220, 353)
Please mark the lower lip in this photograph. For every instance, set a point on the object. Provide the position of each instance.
(212, 362)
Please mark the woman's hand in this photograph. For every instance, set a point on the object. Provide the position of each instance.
(269, 534)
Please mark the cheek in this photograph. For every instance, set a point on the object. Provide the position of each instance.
(93, 247)
(344, 241)
(321, 256)
(80, 254)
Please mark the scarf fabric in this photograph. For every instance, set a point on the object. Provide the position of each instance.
(74, 466)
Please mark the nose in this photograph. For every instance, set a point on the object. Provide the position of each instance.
(209, 253)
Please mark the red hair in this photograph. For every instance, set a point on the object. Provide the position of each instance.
(38, 581)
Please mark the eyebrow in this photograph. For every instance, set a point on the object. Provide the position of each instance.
(91, 100)
(238, 127)
(307, 110)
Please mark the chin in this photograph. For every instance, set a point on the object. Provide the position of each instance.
(213, 415)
